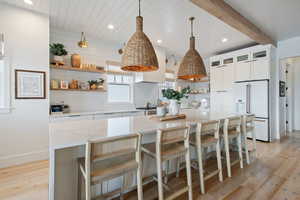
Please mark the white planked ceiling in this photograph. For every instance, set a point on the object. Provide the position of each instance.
(168, 20)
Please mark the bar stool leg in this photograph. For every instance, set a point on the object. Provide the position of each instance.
(219, 160)
(246, 148)
(159, 178)
(167, 172)
(178, 166)
(79, 184)
(226, 142)
(188, 170)
(254, 142)
(239, 138)
(199, 154)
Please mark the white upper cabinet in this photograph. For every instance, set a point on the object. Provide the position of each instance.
(261, 65)
(253, 63)
(156, 76)
(228, 73)
(222, 74)
(243, 67)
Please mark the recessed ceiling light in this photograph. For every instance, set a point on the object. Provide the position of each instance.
(159, 41)
(110, 26)
(224, 40)
(29, 2)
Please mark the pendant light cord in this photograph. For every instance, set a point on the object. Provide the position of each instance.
(139, 7)
(192, 27)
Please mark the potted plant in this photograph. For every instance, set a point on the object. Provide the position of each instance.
(96, 84)
(175, 96)
(58, 50)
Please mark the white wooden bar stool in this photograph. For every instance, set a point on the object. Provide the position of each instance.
(232, 130)
(249, 127)
(207, 135)
(171, 143)
(108, 159)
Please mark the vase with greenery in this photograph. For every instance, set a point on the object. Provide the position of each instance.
(96, 84)
(58, 51)
(174, 97)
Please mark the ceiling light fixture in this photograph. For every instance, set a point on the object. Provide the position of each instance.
(83, 43)
(159, 41)
(110, 26)
(224, 40)
(29, 2)
(139, 54)
(192, 67)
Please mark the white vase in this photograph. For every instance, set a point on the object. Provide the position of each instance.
(58, 59)
(174, 107)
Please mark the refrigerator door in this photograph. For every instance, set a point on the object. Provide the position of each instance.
(241, 97)
(261, 129)
(259, 102)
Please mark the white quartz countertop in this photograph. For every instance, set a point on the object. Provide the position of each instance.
(73, 133)
(70, 114)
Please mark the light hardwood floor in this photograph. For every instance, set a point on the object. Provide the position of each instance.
(274, 175)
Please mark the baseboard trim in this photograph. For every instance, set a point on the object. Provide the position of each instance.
(13, 160)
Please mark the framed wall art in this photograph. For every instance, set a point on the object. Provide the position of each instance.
(30, 84)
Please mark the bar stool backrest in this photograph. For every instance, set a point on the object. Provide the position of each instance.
(208, 128)
(248, 122)
(123, 146)
(232, 124)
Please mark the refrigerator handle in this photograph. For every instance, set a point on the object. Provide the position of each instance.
(248, 98)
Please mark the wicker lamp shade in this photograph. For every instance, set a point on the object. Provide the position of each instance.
(139, 54)
(192, 67)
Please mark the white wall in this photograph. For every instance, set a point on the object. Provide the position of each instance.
(24, 131)
(285, 49)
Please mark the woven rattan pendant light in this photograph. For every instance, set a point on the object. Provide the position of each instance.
(192, 67)
(139, 54)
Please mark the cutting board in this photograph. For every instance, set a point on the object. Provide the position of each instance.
(169, 117)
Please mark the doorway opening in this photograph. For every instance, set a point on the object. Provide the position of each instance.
(291, 100)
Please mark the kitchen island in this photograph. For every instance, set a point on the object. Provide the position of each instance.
(68, 138)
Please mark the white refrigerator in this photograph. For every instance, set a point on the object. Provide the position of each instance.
(253, 98)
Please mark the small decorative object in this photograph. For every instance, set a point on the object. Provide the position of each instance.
(74, 84)
(1, 45)
(192, 66)
(83, 43)
(64, 85)
(195, 104)
(54, 84)
(174, 97)
(58, 50)
(76, 60)
(139, 54)
(161, 111)
(30, 84)
(121, 50)
(96, 84)
(84, 86)
(282, 89)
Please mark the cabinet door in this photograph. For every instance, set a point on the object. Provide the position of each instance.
(228, 105)
(216, 79)
(260, 69)
(228, 77)
(243, 71)
(216, 102)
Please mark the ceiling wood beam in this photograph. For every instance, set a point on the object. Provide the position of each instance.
(223, 11)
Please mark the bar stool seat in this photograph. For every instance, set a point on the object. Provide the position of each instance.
(168, 152)
(206, 140)
(113, 168)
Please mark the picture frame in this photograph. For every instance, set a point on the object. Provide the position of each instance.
(282, 89)
(30, 84)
